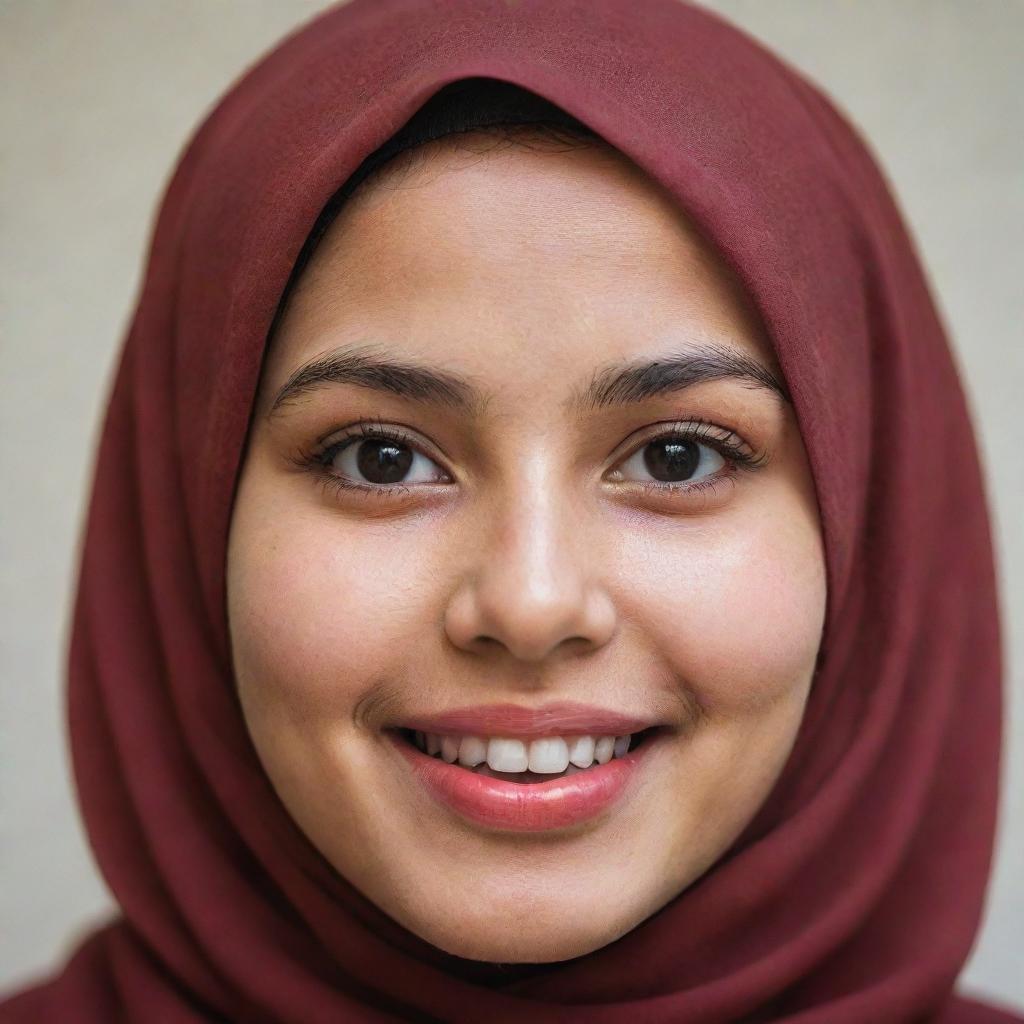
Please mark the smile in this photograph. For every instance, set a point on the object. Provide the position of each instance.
(512, 784)
(518, 760)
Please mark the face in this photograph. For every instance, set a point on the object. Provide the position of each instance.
(526, 530)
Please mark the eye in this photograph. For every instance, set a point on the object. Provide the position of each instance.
(674, 459)
(377, 459)
(690, 457)
(381, 457)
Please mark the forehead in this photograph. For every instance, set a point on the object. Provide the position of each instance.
(507, 257)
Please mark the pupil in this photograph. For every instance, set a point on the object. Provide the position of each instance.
(672, 460)
(383, 461)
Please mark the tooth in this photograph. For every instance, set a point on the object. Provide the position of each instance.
(549, 755)
(604, 747)
(507, 755)
(581, 751)
(450, 748)
(573, 769)
(433, 743)
(472, 751)
(621, 745)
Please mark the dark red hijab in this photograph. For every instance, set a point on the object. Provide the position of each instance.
(856, 894)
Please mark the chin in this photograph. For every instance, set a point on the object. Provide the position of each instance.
(498, 940)
(520, 950)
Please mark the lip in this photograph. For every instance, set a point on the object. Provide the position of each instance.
(560, 718)
(525, 807)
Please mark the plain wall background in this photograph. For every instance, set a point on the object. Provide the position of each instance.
(98, 98)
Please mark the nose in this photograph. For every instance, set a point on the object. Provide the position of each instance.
(532, 583)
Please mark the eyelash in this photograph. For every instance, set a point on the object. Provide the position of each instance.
(728, 444)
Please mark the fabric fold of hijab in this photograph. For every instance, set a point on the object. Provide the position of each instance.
(856, 893)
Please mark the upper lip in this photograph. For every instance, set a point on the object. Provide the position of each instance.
(561, 718)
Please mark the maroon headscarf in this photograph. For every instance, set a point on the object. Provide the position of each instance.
(856, 893)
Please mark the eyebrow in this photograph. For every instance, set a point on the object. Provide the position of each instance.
(619, 383)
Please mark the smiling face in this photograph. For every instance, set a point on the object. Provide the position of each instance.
(530, 532)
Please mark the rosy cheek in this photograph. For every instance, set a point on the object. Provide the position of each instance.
(745, 618)
(320, 618)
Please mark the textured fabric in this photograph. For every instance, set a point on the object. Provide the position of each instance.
(855, 894)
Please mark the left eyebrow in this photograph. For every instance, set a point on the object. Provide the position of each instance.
(622, 383)
(618, 383)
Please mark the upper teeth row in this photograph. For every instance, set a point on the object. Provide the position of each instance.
(548, 755)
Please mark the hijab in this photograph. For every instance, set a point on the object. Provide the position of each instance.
(856, 892)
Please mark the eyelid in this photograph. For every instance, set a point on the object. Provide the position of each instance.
(378, 429)
(697, 428)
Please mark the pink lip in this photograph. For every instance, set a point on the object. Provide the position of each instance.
(518, 806)
(562, 718)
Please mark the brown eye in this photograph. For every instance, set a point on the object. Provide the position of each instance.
(382, 461)
(674, 459)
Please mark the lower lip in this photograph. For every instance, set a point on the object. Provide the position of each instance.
(529, 806)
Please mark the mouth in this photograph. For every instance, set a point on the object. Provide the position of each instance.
(525, 799)
(588, 756)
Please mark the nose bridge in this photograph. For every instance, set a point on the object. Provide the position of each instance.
(533, 581)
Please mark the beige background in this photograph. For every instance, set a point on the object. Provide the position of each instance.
(96, 99)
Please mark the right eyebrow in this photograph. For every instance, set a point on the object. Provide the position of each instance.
(395, 375)
(618, 383)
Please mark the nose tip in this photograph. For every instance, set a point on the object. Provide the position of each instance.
(530, 622)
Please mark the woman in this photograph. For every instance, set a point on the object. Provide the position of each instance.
(526, 582)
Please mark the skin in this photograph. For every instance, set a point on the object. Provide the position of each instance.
(515, 565)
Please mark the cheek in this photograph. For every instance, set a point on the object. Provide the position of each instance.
(739, 615)
(318, 614)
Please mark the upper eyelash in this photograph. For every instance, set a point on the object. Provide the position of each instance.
(730, 445)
